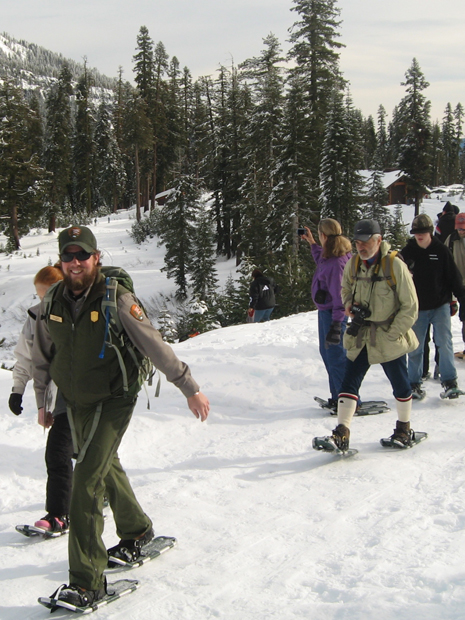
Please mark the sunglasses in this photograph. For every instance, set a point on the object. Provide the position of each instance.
(81, 256)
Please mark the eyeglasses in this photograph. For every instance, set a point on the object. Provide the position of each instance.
(81, 256)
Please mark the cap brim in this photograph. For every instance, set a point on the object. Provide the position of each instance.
(420, 231)
(363, 237)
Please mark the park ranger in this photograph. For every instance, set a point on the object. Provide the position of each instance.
(100, 401)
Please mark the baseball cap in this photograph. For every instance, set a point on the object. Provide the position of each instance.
(422, 223)
(460, 220)
(365, 229)
(77, 235)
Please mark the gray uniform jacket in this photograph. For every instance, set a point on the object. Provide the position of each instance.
(141, 333)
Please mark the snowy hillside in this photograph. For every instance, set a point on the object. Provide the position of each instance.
(267, 528)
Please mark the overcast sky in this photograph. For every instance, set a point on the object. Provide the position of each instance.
(381, 38)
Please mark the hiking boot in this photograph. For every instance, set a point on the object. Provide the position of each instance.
(402, 435)
(332, 404)
(79, 597)
(341, 436)
(129, 550)
(417, 392)
(49, 523)
(450, 385)
(437, 374)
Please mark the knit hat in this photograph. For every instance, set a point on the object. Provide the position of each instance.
(77, 235)
(422, 224)
(365, 229)
(460, 221)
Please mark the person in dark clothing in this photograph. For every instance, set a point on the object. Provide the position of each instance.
(262, 297)
(436, 278)
(59, 449)
(446, 221)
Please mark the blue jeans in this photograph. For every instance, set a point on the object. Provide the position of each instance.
(395, 371)
(439, 318)
(334, 357)
(262, 315)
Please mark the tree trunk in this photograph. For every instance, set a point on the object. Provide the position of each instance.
(137, 185)
(52, 222)
(14, 227)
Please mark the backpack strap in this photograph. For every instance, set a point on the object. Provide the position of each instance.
(388, 270)
(114, 327)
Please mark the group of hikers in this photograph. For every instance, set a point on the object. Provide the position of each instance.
(392, 299)
(85, 343)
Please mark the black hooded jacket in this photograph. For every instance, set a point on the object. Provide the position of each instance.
(435, 274)
(262, 293)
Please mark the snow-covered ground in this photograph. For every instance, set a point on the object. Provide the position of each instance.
(266, 527)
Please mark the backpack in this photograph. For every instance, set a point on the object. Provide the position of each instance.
(115, 276)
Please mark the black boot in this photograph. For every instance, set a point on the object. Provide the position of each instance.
(129, 550)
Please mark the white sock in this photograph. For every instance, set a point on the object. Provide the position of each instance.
(404, 408)
(346, 408)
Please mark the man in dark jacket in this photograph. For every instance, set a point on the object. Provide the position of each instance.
(446, 222)
(436, 278)
(262, 296)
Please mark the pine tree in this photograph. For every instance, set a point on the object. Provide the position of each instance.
(22, 179)
(144, 65)
(314, 50)
(137, 137)
(395, 231)
(83, 150)
(109, 168)
(261, 228)
(176, 229)
(382, 156)
(370, 142)
(203, 267)
(57, 147)
(377, 198)
(448, 146)
(341, 182)
(414, 155)
(437, 157)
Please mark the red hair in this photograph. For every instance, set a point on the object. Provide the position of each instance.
(48, 275)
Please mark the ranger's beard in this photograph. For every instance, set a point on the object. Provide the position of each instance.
(81, 283)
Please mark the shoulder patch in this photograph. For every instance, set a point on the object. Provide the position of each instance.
(136, 312)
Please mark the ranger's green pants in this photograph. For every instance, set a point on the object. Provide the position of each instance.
(100, 472)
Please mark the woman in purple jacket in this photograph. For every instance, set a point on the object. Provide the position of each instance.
(330, 258)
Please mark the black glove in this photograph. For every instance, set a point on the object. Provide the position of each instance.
(334, 334)
(15, 403)
(462, 310)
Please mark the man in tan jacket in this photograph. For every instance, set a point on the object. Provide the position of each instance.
(379, 296)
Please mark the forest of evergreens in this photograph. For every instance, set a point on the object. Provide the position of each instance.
(249, 154)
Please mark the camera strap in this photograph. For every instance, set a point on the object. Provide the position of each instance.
(373, 278)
